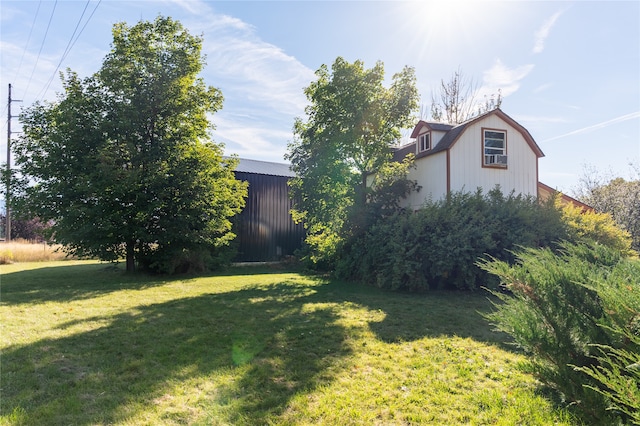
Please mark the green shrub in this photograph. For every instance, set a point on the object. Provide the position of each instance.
(438, 245)
(618, 375)
(577, 312)
(590, 225)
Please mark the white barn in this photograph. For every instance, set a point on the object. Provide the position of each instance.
(488, 150)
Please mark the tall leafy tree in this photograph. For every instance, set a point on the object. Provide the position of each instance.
(123, 164)
(352, 121)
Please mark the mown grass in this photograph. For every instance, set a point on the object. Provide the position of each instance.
(25, 251)
(84, 343)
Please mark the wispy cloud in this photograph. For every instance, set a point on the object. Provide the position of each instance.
(500, 77)
(539, 119)
(259, 72)
(250, 138)
(598, 126)
(542, 87)
(262, 84)
(543, 32)
(243, 65)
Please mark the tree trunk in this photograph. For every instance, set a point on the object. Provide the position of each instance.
(360, 213)
(131, 261)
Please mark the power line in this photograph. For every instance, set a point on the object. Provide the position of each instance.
(70, 44)
(26, 45)
(85, 24)
(24, 50)
(41, 46)
(67, 50)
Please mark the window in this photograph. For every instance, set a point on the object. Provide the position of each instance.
(424, 142)
(494, 143)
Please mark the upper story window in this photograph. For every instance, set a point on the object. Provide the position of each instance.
(494, 145)
(424, 142)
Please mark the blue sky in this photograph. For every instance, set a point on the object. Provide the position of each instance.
(568, 71)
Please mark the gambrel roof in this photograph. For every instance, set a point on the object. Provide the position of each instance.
(453, 133)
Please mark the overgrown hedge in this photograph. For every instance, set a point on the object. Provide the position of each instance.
(438, 246)
(577, 313)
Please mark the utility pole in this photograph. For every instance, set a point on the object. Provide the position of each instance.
(7, 229)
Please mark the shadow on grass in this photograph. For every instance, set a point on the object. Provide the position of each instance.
(65, 283)
(261, 345)
(100, 376)
(438, 313)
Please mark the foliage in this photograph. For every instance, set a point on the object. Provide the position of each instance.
(352, 121)
(618, 376)
(438, 245)
(388, 186)
(85, 344)
(616, 196)
(25, 229)
(122, 163)
(457, 100)
(572, 312)
(589, 225)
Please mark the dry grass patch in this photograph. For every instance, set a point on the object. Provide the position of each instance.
(24, 251)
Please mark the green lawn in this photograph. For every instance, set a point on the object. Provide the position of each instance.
(83, 343)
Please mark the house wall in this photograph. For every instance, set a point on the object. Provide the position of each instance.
(431, 174)
(466, 161)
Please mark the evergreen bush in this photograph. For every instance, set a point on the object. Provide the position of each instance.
(577, 313)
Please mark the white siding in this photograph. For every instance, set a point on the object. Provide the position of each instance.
(467, 173)
(431, 174)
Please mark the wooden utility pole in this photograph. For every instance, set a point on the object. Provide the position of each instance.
(7, 229)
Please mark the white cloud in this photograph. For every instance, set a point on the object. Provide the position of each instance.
(500, 77)
(240, 63)
(203, 12)
(250, 138)
(262, 84)
(543, 32)
(599, 126)
(260, 72)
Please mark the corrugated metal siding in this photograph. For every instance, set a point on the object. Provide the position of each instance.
(265, 230)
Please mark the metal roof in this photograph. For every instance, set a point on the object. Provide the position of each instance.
(264, 168)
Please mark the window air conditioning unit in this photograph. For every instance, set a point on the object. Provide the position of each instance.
(495, 159)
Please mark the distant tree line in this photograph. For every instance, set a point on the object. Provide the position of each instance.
(615, 196)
